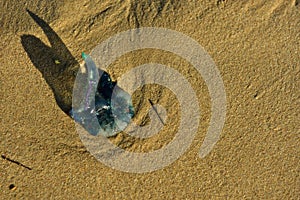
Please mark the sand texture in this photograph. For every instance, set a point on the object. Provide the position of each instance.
(254, 43)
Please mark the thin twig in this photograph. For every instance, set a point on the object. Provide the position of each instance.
(152, 104)
(16, 162)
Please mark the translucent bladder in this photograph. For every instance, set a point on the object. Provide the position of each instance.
(92, 104)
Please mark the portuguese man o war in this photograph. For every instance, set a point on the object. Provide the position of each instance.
(96, 111)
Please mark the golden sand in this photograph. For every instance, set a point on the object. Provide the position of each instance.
(256, 47)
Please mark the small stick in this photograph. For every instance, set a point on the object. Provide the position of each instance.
(16, 162)
(152, 104)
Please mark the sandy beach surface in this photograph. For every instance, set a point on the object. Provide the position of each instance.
(255, 45)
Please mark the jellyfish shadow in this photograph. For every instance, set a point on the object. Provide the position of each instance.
(56, 63)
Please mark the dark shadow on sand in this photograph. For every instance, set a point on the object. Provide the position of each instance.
(55, 62)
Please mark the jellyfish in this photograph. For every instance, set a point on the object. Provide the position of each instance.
(96, 111)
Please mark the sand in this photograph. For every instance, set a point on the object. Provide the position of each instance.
(256, 47)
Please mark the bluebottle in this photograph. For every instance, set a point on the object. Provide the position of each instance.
(96, 111)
